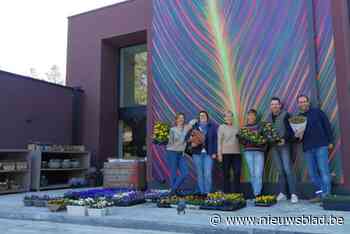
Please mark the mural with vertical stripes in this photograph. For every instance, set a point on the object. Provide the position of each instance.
(222, 54)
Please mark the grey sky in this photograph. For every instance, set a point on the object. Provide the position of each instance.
(34, 33)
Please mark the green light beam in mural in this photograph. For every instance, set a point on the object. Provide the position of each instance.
(226, 70)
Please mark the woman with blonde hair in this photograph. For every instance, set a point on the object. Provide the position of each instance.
(174, 152)
(229, 152)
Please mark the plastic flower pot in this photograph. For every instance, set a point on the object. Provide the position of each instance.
(55, 207)
(193, 207)
(28, 202)
(39, 203)
(77, 210)
(94, 212)
(337, 202)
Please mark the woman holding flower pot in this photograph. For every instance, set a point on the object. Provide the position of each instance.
(174, 152)
(254, 145)
(203, 139)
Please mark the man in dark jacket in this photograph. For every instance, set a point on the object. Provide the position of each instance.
(281, 152)
(317, 142)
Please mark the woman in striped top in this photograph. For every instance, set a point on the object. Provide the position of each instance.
(254, 154)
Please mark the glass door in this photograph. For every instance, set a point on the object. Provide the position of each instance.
(132, 131)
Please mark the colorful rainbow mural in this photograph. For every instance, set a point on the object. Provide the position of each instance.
(236, 55)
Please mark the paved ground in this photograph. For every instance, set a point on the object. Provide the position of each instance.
(8, 226)
(147, 218)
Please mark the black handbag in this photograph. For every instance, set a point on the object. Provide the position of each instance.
(188, 149)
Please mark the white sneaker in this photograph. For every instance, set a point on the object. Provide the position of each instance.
(281, 197)
(294, 198)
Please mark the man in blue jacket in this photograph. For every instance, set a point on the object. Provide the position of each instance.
(317, 142)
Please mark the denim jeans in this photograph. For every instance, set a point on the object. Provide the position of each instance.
(176, 161)
(204, 165)
(317, 163)
(281, 156)
(255, 161)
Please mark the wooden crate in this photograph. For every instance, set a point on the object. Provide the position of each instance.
(131, 174)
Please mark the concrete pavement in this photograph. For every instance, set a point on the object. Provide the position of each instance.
(147, 217)
(8, 226)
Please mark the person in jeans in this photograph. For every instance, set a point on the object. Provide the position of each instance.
(254, 154)
(281, 152)
(203, 154)
(174, 152)
(317, 142)
(229, 152)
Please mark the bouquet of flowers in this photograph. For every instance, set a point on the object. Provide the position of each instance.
(298, 123)
(270, 133)
(246, 136)
(161, 133)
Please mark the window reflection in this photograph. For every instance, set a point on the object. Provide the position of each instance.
(134, 138)
(133, 76)
(133, 101)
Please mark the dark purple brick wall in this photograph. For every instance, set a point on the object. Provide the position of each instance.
(32, 110)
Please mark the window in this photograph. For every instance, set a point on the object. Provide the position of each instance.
(133, 102)
(133, 61)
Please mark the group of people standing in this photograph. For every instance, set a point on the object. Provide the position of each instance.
(221, 143)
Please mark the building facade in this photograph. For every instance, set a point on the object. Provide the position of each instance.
(141, 61)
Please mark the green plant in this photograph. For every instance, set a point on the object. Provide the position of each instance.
(270, 134)
(59, 202)
(79, 202)
(337, 198)
(247, 136)
(161, 132)
(266, 199)
(100, 203)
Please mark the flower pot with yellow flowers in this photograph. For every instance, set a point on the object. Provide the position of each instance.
(265, 200)
(161, 133)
